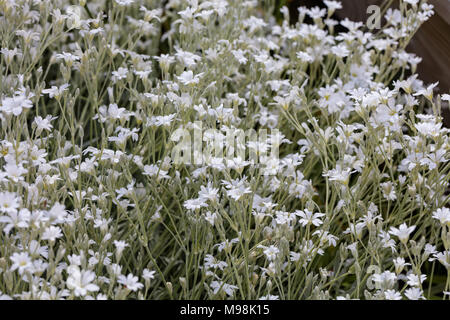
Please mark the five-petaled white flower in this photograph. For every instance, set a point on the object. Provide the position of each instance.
(402, 232)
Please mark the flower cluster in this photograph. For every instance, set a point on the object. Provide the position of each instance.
(92, 205)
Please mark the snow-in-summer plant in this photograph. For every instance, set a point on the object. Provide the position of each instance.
(96, 97)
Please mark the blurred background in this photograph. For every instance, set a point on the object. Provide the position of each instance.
(432, 42)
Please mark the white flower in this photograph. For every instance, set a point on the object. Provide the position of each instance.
(388, 191)
(428, 92)
(187, 58)
(308, 217)
(399, 264)
(68, 58)
(208, 193)
(10, 54)
(44, 124)
(115, 269)
(153, 170)
(340, 51)
(21, 262)
(385, 280)
(159, 121)
(120, 245)
(211, 262)
(240, 56)
(113, 112)
(333, 5)
(195, 204)
(57, 213)
(15, 172)
(429, 250)
(151, 14)
(15, 105)
(130, 282)
(392, 295)
(316, 13)
(221, 286)
(165, 61)
(339, 174)
(429, 129)
(121, 73)
(236, 188)
(55, 91)
(304, 57)
(52, 233)
(211, 217)
(356, 229)
(403, 232)
(16, 219)
(415, 280)
(188, 78)
(443, 215)
(226, 245)
(148, 275)
(414, 294)
(9, 202)
(271, 252)
(442, 257)
(81, 281)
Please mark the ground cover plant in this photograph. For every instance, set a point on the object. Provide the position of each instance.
(119, 180)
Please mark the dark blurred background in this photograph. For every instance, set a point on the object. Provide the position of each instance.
(432, 42)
